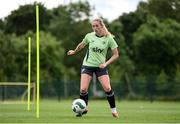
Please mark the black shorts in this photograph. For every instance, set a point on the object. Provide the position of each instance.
(90, 70)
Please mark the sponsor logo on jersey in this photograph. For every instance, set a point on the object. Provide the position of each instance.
(96, 49)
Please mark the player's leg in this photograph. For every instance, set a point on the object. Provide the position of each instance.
(84, 85)
(105, 82)
(86, 76)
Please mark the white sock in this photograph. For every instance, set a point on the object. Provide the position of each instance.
(113, 110)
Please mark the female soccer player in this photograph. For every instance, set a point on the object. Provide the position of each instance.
(98, 41)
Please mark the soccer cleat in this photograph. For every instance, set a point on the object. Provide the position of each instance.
(85, 111)
(80, 115)
(115, 114)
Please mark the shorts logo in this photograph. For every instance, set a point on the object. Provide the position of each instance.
(83, 70)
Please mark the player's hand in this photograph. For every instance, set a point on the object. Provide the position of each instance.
(71, 52)
(102, 65)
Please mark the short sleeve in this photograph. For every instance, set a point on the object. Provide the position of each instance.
(112, 43)
(86, 39)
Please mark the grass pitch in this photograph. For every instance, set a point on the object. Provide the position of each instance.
(52, 111)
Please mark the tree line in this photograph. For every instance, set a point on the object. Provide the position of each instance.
(148, 39)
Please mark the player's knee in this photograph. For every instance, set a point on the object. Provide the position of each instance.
(83, 91)
(107, 89)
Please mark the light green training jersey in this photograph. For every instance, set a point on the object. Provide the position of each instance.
(97, 50)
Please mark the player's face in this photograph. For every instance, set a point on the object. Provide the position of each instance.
(97, 27)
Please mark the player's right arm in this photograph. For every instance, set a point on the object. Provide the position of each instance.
(80, 46)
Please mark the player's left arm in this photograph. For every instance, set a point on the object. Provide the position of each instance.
(115, 55)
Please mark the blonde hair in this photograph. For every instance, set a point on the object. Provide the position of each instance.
(105, 30)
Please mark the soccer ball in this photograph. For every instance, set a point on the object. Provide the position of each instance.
(78, 106)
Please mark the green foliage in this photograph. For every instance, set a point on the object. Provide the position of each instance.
(131, 22)
(7, 60)
(171, 9)
(156, 46)
(1, 25)
(23, 19)
(70, 22)
(15, 50)
(177, 81)
(80, 10)
(140, 84)
(162, 83)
